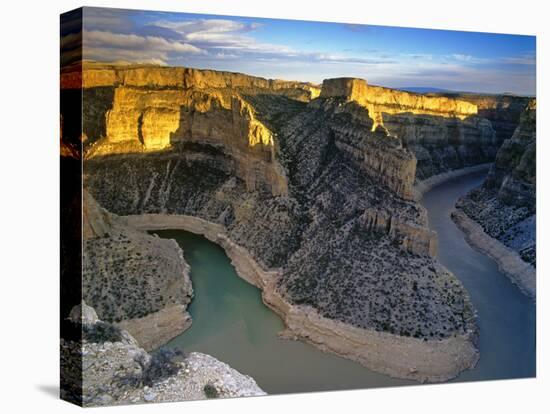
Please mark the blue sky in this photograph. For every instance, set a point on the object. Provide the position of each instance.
(313, 51)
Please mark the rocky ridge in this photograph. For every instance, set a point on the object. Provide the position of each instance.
(443, 133)
(505, 204)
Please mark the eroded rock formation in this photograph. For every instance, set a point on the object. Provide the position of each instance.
(381, 100)
(505, 205)
(443, 133)
(503, 111)
(136, 281)
(93, 75)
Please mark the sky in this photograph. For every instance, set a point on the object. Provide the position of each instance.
(309, 51)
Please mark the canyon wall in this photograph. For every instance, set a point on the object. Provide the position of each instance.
(379, 100)
(503, 111)
(151, 109)
(444, 133)
(505, 205)
(138, 282)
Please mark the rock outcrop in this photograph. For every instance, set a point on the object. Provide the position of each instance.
(130, 109)
(505, 205)
(94, 75)
(136, 281)
(345, 237)
(107, 366)
(379, 100)
(503, 111)
(443, 133)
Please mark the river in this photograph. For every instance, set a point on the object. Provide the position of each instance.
(231, 323)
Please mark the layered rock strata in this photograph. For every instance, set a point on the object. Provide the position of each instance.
(109, 367)
(345, 243)
(152, 109)
(136, 281)
(503, 111)
(93, 75)
(443, 133)
(505, 205)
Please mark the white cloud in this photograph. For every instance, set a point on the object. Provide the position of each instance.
(222, 34)
(93, 38)
(106, 54)
(71, 40)
(107, 46)
(521, 60)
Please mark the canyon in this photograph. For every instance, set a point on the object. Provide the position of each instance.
(500, 216)
(310, 189)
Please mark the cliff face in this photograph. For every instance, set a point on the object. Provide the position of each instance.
(505, 205)
(443, 133)
(93, 75)
(150, 109)
(134, 280)
(503, 111)
(514, 171)
(380, 100)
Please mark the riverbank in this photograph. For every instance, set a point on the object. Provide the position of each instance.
(106, 365)
(397, 356)
(422, 187)
(505, 316)
(508, 261)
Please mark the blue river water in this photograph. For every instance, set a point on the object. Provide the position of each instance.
(231, 323)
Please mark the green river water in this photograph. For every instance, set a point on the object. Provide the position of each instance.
(231, 323)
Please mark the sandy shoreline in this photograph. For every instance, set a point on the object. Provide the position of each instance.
(422, 187)
(397, 356)
(508, 261)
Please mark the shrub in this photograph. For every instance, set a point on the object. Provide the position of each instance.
(101, 332)
(210, 391)
(164, 363)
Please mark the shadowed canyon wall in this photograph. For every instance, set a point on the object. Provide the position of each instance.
(443, 133)
(505, 205)
(150, 109)
(504, 111)
(139, 282)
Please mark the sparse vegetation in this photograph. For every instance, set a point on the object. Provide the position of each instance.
(164, 363)
(101, 332)
(210, 391)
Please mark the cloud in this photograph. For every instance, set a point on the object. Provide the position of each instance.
(341, 59)
(104, 54)
(109, 46)
(132, 41)
(529, 59)
(222, 34)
